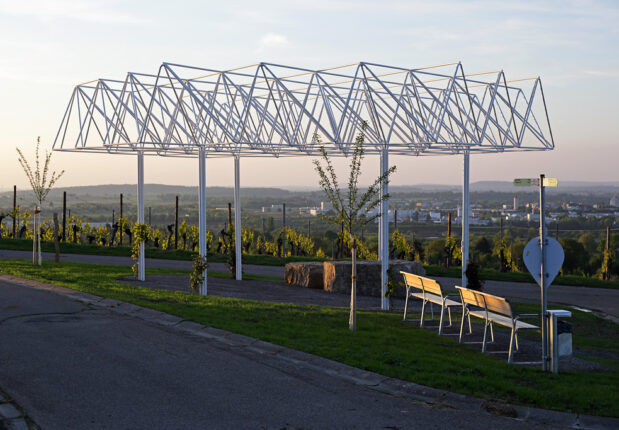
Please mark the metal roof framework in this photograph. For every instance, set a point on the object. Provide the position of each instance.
(275, 110)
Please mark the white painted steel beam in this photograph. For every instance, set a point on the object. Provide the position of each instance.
(141, 259)
(237, 219)
(202, 212)
(466, 210)
(384, 260)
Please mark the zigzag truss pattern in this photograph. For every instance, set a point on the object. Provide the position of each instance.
(274, 110)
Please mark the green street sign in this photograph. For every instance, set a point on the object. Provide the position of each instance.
(534, 182)
(526, 182)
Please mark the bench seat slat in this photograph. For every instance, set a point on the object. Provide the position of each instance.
(501, 319)
(435, 299)
(507, 322)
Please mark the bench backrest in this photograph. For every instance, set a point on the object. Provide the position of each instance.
(471, 297)
(489, 302)
(497, 305)
(425, 284)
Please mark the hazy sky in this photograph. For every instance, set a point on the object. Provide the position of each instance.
(47, 47)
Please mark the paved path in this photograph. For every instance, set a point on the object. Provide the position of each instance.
(602, 300)
(87, 363)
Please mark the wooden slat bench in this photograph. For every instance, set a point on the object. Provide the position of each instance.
(492, 309)
(429, 291)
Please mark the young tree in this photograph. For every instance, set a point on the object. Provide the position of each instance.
(42, 182)
(352, 209)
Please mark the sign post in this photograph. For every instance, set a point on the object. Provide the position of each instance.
(542, 239)
(535, 258)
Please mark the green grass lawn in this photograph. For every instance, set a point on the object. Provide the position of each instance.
(382, 343)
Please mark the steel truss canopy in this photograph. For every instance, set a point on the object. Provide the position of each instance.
(275, 110)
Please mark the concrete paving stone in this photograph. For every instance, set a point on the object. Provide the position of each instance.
(110, 303)
(168, 321)
(18, 424)
(241, 339)
(597, 423)
(86, 297)
(125, 308)
(156, 316)
(303, 357)
(263, 347)
(190, 327)
(402, 388)
(359, 376)
(7, 410)
(230, 339)
(545, 416)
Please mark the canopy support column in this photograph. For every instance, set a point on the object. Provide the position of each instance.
(384, 232)
(466, 210)
(141, 259)
(238, 248)
(202, 211)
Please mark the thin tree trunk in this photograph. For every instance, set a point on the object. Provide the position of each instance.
(34, 236)
(39, 236)
(352, 321)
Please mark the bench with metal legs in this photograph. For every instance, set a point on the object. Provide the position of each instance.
(429, 291)
(493, 310)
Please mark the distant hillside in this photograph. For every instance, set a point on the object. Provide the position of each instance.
(113, 190)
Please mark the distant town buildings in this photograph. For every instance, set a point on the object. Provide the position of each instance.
(614, 202)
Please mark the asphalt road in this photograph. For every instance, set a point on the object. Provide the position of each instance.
(72, 365)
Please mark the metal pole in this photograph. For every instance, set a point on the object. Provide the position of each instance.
(606, 268)
(380, 211)
(64, 215)
(501, 228)
(176, 223)
(542, 239)
(384, 277)
(395, 219)
(14, 209)
(120, 242)
(237, 218)
(141, 259)
(202, 211)
(284, 230)
(466, 209)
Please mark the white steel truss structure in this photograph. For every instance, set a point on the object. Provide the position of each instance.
(275, 110)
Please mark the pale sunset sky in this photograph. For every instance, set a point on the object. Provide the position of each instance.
(47, 47)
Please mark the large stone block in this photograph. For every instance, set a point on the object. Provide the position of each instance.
(308, 275)
(337, 276)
